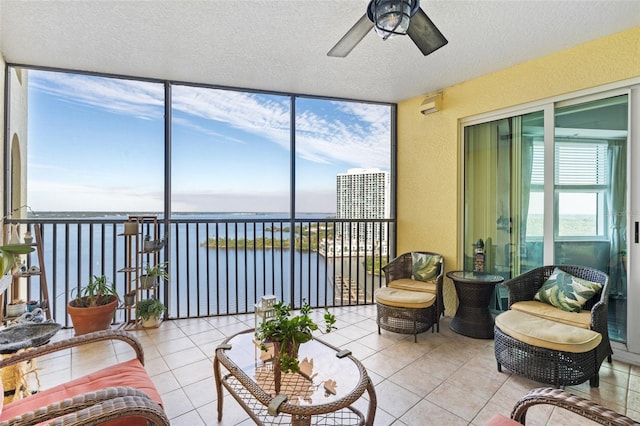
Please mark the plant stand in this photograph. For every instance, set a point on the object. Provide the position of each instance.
(36, 245)
(138, 251)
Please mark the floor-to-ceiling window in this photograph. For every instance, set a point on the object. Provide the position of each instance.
(583, 181)
(243, 182)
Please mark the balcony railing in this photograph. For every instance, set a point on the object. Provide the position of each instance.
(222, 266)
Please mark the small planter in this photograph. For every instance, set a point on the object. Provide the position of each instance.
(152, 322)
(148, 281)
(16, 309)
(149, 311)
(129, 299)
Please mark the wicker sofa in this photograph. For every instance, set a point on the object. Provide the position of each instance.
(559, 398)
(118, 394)
(548, 344)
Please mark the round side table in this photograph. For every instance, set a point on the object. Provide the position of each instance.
(474, 290)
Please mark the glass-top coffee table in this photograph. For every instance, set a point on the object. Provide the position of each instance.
(324, 395)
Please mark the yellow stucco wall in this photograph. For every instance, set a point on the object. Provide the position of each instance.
(428, 145)
(2, 76)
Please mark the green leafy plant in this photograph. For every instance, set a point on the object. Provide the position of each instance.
(99, 291)
(7, 261)
(288, 332)
(149, 308)
(152, 273)
(158, 270)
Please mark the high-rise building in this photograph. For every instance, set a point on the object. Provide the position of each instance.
(363, 194)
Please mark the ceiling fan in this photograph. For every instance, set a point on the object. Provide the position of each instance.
(389, 18)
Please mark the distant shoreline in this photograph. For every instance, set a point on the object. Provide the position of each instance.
(84, 214)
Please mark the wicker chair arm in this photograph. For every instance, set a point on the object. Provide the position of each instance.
(95, 408)
(398, 268)
(76, 341)
(570, 402)
(599, 321)
(524, 286)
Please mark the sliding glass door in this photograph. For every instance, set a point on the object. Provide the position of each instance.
(590, 192)
(503, 194)
(570, 209)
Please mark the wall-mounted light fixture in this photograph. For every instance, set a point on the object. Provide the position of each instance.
(431, 103)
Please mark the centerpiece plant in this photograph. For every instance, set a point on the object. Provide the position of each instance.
(287, 332)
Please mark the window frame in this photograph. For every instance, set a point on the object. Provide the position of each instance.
(599, 189)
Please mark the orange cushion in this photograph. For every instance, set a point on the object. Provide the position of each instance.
(130, 373)
(500, 420)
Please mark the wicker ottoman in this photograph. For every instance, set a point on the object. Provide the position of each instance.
(546, 351)
(404, 311)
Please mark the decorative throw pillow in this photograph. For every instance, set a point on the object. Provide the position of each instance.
(566, 292)
(424, 267)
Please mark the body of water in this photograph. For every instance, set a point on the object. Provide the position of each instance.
(203, 280)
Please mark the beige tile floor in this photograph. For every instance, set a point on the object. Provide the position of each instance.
(443, 379)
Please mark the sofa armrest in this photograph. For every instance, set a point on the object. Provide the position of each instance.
(570, 402)
(95, 408)
(84, 339)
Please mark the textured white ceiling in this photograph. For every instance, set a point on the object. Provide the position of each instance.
(281, 45)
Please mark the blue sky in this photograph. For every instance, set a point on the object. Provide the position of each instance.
(96, 144)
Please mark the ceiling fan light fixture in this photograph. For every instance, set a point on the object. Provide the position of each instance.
(392, 17)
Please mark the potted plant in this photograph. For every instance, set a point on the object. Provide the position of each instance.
(150, 311)
(7, 261)
(130, 298)
(287, 332)
(153, 274)
(94, 306)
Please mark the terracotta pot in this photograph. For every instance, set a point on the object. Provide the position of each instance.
(87, 320)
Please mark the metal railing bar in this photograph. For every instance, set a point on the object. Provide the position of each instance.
(328, 257)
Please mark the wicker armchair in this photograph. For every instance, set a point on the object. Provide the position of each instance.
(563, 399)
(544, 365)
(96, 405)
(401, 268)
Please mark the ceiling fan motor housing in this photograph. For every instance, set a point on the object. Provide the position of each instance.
(391, 17)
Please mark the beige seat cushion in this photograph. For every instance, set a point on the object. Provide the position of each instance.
(414, 285)
(544, 310)
(545, 333)
(403, 298)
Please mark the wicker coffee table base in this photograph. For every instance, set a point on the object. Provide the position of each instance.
(545, 365)
(406, 320)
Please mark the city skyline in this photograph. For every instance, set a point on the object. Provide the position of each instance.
(97, 144)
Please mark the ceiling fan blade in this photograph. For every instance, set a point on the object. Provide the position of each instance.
(351, 38)
(425, 34)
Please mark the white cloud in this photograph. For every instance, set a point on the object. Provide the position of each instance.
(358, 136)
